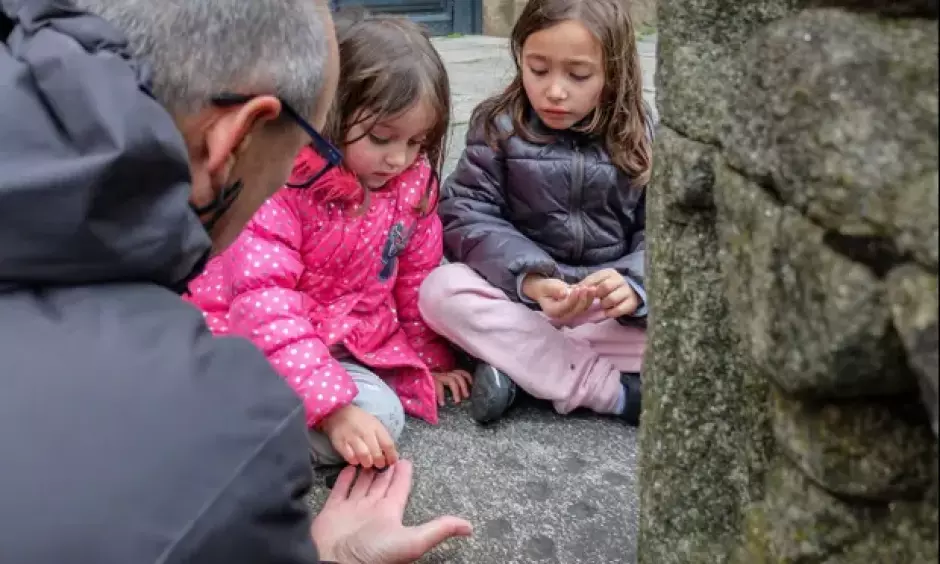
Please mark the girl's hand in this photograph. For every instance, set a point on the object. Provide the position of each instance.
(360, 438)
(616, 295)
(457, 381)
(557, 299)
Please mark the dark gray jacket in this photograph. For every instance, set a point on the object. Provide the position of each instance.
(129, 434)
(560, 209)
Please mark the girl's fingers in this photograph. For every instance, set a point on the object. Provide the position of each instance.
(454, 390)
(388, 446)
(463, 380)
(439, 387)
(617, 297)
(372, 441)
(391, 455)
(348, 453)
(362, 452)
(585, 299)
(598, 277)
(626, 307)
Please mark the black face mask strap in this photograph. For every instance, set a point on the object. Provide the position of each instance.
(223, 201)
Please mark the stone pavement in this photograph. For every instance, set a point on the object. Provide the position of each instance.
(538, 487)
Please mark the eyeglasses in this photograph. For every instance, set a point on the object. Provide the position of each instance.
(318, 143)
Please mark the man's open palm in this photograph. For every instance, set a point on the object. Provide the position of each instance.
(361, 521)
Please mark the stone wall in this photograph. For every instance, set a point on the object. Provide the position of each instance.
(791, 376)
(500, 15)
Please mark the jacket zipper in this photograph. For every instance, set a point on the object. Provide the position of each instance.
(577, 187)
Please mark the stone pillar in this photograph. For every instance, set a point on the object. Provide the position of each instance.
(791, 376)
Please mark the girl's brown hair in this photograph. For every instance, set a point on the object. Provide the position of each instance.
(620, 119)
(387, 65)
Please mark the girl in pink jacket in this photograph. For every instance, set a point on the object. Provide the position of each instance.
(325, 277)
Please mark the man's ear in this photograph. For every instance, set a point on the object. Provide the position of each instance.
(228, 133)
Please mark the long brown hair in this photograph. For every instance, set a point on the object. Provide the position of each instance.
(388, 64)
(620, 119)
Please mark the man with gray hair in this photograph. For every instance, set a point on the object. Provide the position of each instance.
(133, 142)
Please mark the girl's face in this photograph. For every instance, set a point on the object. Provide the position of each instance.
(383, 150)
(563, 73)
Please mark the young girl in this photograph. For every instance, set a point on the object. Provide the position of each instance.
(325, 277)
(544, 216)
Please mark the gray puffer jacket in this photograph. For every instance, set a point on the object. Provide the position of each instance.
(562, 209)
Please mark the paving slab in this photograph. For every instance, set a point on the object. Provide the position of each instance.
(538, 487)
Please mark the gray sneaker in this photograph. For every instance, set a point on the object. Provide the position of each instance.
(491, 395)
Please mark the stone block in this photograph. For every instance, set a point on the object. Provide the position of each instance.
(816, 322)
(912, 293)
(879, 449)
(895, 8)
(704, 431)
(838, 112)
(697, 42)
(685, 173)
(801, 523)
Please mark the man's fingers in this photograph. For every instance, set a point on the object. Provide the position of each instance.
(362, 484)
(423, 538)
(400, 487)
(340, 491)
(381, 483)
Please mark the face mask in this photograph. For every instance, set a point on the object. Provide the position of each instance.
(223, 201)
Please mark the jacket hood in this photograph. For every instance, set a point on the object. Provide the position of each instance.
(337, 185)
(95, 178)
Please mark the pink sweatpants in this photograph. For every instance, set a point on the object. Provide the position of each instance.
(574, 366)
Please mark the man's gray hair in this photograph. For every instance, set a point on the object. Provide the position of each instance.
(201, 48)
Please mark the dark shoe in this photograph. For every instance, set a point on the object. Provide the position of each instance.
(491, 394)
(634, 389)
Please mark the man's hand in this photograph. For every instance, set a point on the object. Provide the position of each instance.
(457, 381)
(360, 438)
(557, 299)
(364, 524)
(616, 295)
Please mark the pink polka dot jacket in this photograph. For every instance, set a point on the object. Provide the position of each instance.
(313, 273)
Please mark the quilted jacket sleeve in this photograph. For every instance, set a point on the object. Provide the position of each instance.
(422, 255)
(476, 231)
(633, 264)
(264, 266)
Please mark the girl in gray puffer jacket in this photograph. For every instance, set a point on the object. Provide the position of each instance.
(544, 218)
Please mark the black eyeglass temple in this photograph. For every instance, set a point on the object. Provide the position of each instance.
(324, 147)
